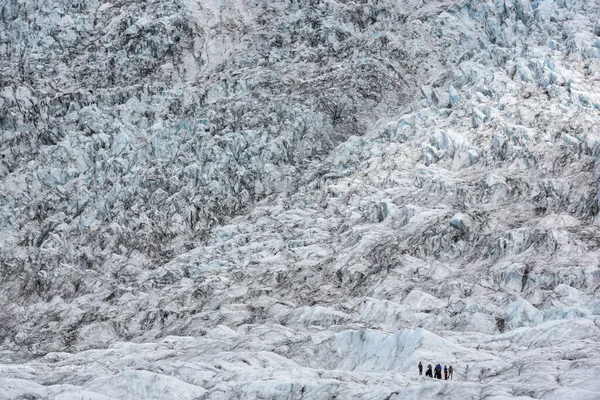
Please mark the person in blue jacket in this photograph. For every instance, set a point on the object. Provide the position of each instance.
(438, 371)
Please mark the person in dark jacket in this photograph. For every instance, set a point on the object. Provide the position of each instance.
(438, 371)
(420, 368)
(445, 372)
(429, 371)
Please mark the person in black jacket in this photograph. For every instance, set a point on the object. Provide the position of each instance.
(429, 371)
(420, 368)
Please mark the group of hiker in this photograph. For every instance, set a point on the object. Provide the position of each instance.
(437, 371)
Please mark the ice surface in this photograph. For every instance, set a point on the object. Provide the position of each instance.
(223, 199)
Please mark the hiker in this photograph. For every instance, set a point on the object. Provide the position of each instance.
(420, 368)
(429, 372)
(450, 371)
(438, 371)
(445, 372)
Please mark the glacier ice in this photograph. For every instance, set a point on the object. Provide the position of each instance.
(227, 199)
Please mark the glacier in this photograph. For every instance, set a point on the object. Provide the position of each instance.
(236, 199)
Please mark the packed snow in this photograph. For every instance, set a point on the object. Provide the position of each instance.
(299, 200)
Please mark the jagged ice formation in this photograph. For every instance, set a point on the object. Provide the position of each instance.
(227, 199)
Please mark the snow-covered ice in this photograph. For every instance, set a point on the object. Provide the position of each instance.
(280, 200)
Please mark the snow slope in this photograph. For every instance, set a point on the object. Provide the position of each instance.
(229, 199)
